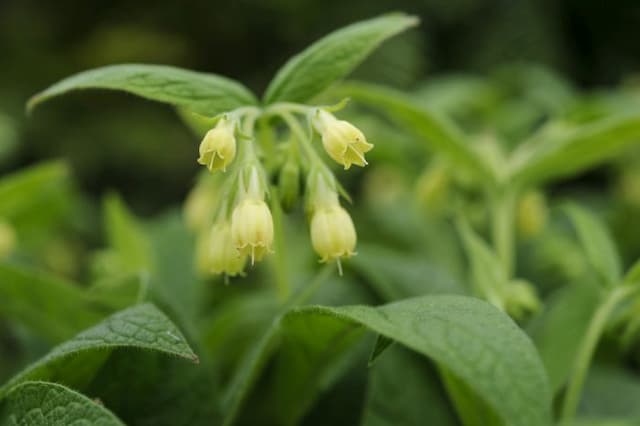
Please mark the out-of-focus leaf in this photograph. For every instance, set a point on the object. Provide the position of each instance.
(33, 189)
(477, 343)
(50, 404)
(434, 130)
(203, 93)
(404, 391)
(610, 392)
(598, 244)
(77, 360)
(559, 329)
(574, 151)
(395, 275)
(487, 272)
(49, 306)
(126, 237)
(333, 57)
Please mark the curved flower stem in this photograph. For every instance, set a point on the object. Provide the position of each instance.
(587, 349)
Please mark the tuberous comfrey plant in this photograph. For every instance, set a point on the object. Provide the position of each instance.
(244, 217)
(240, 143)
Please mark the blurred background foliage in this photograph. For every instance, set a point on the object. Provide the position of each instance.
(137, 147)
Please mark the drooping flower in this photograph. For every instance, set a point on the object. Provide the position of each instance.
(344, 142)
(251, 222)
(333, 235)
(223, 256)
(218, 148)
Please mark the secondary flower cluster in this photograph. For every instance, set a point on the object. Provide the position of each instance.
(241, 229)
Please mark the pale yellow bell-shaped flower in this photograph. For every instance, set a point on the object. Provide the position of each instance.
(218, 148)
(252, 223)
(344, 142)
(333, 234)
(223, 256)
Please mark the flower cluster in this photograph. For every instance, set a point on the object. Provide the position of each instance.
(238, 221)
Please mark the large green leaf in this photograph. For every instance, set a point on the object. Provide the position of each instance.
(434, 130)
(570, 152)
(77, 360)
(333, 57)
(51, 404)
(203, 93)
(474, 341)
(598, 244)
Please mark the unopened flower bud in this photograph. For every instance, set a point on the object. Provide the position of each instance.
(218, 148)
(289, 184)
(252, 223)
(344, 142)
(532, 212)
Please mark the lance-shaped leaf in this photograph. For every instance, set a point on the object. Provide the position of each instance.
(598, 244)
(434, 130)
(51, 404)
(572, 152)
(203, 93)
(76, 361)
(332, 58)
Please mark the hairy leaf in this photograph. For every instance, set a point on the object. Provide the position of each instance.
(477, 343)
(75, 361)
(50, 404)
(203, 93)
(333, 57)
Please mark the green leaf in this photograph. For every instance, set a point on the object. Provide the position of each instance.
(405, 391)
(571, 152)
(50, 404)
(598, 244)
(75, 361)
(487, 272)
(476, 342)
(395, 275)
(33, 188)
(434, 130)
(51, 307)
(333, 57)
(126, 236)
(610, 392)
(203, 93)
(560, 328)
(472, 411)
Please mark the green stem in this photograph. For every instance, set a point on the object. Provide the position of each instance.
(502, 228)
(586, 351)
(280, 262)
(301, 136)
